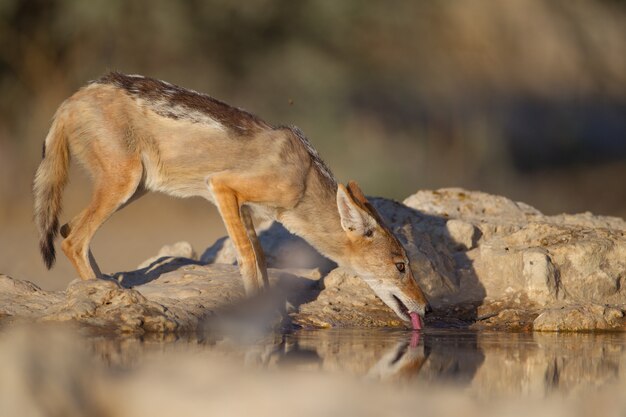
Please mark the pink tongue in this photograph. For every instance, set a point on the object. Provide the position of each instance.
(416, 321)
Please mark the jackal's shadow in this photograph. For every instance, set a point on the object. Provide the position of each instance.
(154, 270)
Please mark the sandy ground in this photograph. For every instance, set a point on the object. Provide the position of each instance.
(129, 237)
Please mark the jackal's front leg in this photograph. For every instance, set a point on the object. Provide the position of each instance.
(251, 264)
(246, 215)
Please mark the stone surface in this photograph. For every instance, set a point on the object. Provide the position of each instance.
(483, 261)
(345, 301)
(175, 301)
(580, 317)
(463, 233)
(540, 274)
(495, 263)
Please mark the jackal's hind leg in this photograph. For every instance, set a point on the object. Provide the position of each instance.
(111, 191)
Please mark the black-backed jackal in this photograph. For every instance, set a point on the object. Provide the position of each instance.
(134, 134)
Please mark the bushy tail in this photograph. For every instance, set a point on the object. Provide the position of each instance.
(48, 185)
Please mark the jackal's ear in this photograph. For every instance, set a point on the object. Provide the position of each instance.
(355, 191)
(354, 220)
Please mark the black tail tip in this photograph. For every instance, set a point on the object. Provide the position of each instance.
(48, 252)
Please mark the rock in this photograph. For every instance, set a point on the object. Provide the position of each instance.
(175, 301)
(463, 233)
(176, 250)
(457, 203)
(482, 260)
(105, 303)
(471, 249)
(540, 275)
(345, 301)
(578, 317)
(578, 259)
(24, 299)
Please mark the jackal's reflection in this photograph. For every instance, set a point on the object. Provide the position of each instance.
(398, 357)
(382, 354)
(403, 361)
(490, 364)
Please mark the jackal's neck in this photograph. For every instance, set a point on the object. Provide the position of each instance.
(316, 219)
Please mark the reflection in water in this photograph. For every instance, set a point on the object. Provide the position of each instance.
(542, 363)
(51, 371)
(488, 364)
(403, 362)
(48, 370)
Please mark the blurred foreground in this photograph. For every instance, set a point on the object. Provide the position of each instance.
(61, 371)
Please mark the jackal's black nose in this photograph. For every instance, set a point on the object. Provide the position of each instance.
(428, 309)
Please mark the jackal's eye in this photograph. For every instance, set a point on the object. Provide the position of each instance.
(400, 266)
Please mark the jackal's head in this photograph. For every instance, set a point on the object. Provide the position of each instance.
(378, 257)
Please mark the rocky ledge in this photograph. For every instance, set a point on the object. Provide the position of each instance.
(484, 261)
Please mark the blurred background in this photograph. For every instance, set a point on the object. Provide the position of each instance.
(521, 98)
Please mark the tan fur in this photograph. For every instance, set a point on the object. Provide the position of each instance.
(135, 134)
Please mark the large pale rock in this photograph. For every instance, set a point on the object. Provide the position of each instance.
(505, 258)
